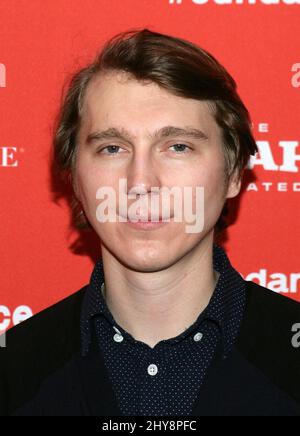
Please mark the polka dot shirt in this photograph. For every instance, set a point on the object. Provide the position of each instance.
(166, 379)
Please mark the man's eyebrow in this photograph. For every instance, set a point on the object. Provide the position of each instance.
(164, 132)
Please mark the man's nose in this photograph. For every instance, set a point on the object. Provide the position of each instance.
(143, 175)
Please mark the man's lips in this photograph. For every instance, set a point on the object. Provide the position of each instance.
(147, 221)
(146, 225)
(146, 218)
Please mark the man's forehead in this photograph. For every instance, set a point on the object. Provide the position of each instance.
(99, 116)
(105, 80)
(105, 83)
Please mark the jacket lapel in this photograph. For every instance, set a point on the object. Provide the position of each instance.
(98, 398)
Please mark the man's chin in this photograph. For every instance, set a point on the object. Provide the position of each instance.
(146, 263)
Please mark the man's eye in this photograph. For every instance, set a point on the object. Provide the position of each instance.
(114, 149)
(111, 149)
(181, 148)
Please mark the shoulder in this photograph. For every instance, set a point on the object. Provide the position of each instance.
(277, 303)
(267, 336)
(37, 347)
(268, 312)
(56, 320)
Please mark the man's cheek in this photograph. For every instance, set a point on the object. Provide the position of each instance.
(213, 202)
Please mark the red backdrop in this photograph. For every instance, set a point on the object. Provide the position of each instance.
(43, 42)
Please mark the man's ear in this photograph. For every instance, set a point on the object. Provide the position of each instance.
(234, 184)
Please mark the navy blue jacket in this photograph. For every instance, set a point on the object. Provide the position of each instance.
(42, 372)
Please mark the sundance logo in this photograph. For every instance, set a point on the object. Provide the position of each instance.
(8, 316)
(2, 76)
(7, 157)
(277, 282)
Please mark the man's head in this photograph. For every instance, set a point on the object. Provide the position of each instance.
(141, 83)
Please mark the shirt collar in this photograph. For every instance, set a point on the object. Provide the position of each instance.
(227, 303)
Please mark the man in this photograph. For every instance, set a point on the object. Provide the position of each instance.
(166, 325)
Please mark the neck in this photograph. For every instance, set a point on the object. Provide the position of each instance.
(160, 305)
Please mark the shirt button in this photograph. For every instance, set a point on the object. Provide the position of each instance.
(152, 370)
(198, 337)
(118, 338)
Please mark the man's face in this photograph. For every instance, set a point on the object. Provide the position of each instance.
(145, 161)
